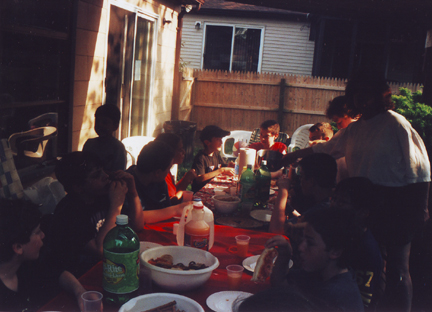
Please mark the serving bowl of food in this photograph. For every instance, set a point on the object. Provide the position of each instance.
(161, 302)
(179, 268)
(226, 204)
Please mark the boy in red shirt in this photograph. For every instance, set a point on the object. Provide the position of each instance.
(269, 131)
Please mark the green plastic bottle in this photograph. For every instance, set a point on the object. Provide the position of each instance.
(263, 181)
(121, 263)
(247, 185)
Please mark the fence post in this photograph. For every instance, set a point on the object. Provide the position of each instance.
(281, 103)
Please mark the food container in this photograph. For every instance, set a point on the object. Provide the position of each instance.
(226, 204)
(178, 280)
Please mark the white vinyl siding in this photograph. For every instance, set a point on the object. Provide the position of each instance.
(286, 47)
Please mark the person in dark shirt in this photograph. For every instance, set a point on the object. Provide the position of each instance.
(322, 264)
(208, 163)
(26, 280)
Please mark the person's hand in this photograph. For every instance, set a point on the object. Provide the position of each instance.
(79, 299)
(190, 175)
(180, 207)
(231, 164)
(117, 193)
(281, 243)
(128, 178)
(227, 171)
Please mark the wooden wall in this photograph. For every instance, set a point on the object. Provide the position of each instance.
(241, 101)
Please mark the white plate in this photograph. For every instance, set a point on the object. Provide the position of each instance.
(250, 263)
(261, 215)
(147, 245)
(150, 301)
(222, 301)
(272, 192)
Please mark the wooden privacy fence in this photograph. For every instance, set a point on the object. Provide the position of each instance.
(242, 100)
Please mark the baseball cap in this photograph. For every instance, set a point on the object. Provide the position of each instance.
(212, 131)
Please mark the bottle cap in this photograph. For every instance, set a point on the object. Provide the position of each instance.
(249, 167)
(122, 219)
(197, 203)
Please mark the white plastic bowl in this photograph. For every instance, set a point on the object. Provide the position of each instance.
(150, 301)
(225, 207)
(177, 280)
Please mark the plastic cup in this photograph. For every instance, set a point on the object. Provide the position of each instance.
(92, 301)
(175, 228)
(242, 245)
(234, 272)
(187, 196)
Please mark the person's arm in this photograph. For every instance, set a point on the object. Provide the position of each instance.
(278, 217)
(289, 158)
(210, 175)
(69, 283)
(281, 266)
(153, 216)
(117, 193)
(186, 180)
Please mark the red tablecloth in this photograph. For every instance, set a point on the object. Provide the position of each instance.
(223, 248)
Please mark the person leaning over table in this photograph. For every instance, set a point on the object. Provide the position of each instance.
(175, 190)
(383, 146)
(208, 163)
(26, 280)
(153, 165)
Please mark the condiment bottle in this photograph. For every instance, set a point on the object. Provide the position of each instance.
(247, 185)
(120, 263)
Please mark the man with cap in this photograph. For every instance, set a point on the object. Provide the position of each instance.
(208, 163)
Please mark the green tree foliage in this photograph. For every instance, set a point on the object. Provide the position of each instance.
(418, 114)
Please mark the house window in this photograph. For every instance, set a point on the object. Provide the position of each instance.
(232, 48)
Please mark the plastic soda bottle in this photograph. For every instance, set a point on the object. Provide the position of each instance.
(263, 181)
(208, 218)
(120, 263)
(197, 231)
(247, 185)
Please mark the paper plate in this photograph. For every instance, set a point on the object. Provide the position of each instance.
(250, 263)
(147, 245)
(222, 301)
(261, 215)
(272, 192)
(150, 301)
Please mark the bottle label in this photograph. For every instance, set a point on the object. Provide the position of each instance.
(120, 272)
(197, 241)
(247, 192)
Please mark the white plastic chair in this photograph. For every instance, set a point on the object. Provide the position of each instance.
(237, 135)
(300, 138)
(31, 143)
(133, 146)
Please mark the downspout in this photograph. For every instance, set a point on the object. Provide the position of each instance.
(175, 109)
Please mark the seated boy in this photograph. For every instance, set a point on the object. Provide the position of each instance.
(317, 178)
(324, 253)
(111, 151)
(319, 133)
(89, 210)
(153, 165)
(208, 163)
(26, 282)
(269, 131)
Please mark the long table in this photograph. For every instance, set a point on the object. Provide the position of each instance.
(224, 249)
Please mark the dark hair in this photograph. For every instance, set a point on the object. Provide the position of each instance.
(211, 131)
(338, 230)
(110, 111)
(155, 155)
(322, 167)
(367, 85)
(337, 107)
(360, 190)
(18, 218)
(272, 126)
(74, 168)
(171, 139)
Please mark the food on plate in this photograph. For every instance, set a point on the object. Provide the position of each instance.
(166, 261)
(264, 265)
(168, 307)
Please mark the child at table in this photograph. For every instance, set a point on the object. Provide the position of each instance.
(153, 165)
(330, 235)
(175, 190)
(320, 132)
(26, 281)
(208, 163)
(111, 151)
(269, 131)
